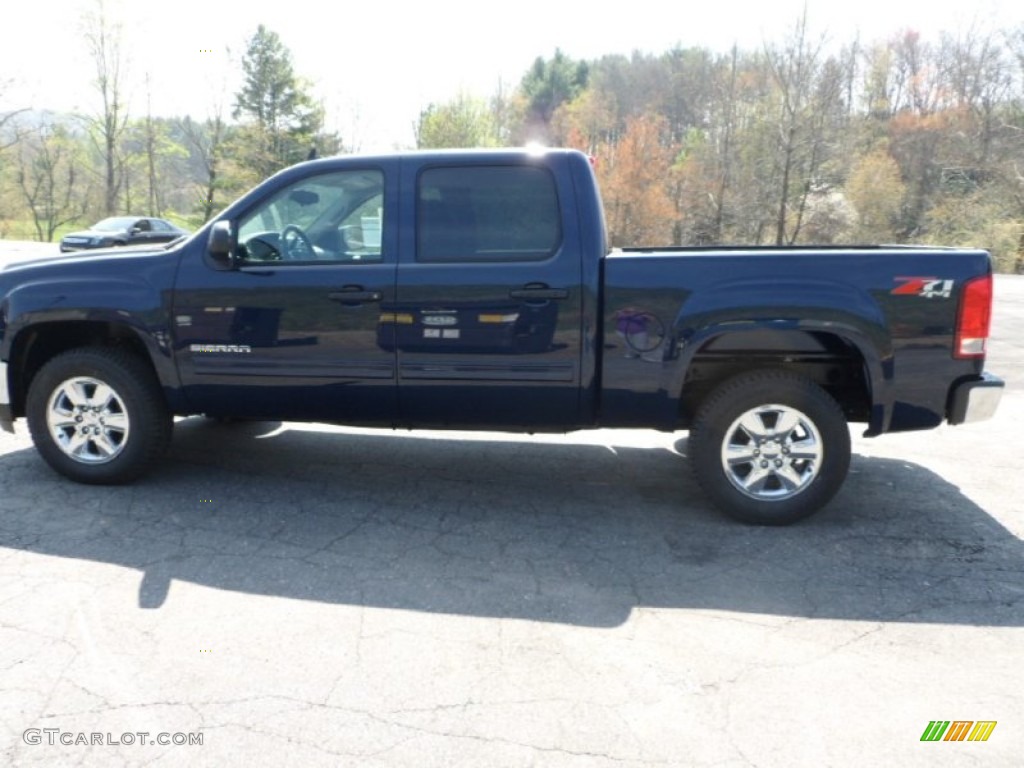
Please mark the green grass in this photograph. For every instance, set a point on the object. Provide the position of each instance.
(24, 229)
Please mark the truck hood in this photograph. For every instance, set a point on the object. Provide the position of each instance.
(45, 264)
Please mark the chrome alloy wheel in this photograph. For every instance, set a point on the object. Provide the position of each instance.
(772, 452)
(88, 420)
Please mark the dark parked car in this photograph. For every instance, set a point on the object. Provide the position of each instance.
(122, 230)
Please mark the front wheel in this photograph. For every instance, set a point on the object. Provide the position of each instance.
(97, 415)
(770, 447)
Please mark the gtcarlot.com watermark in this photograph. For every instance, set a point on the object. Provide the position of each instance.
(55, 736)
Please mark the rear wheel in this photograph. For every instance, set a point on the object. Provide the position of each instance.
(97, 415)
(770, 447)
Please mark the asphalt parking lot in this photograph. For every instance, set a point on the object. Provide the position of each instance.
(309, 595)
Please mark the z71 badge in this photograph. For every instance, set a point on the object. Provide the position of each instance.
(928, 287)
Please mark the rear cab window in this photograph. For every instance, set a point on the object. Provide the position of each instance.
(487, 214)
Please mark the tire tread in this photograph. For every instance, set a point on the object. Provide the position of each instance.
(151, 419)
(747, 390)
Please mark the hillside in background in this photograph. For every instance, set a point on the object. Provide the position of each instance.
(900, 140)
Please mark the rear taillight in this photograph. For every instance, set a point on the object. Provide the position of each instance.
(973, 317)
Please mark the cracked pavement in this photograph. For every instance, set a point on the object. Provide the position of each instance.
(312, 595)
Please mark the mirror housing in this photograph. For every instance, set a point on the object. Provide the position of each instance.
(221, 244)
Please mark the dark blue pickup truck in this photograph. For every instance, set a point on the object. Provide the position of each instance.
(475, 290)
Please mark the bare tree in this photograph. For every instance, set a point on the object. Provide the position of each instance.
(810, 89)
(49, 180)
(980, 80)
(103, 38)
(10, 136)
(726, 98)
(154, 207)
(206, 140)
(10, 131)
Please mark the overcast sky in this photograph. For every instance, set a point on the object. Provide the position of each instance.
(376, 64)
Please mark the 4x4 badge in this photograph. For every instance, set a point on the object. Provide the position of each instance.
(928, 287)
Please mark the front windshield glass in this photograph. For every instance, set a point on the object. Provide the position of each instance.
(115, 223)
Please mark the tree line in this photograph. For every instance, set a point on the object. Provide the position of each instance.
(799, 141)
(58, 170)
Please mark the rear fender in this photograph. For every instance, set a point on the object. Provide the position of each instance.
(755, 308)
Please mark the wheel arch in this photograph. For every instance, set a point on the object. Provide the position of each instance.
(34, 345)
(843, 361)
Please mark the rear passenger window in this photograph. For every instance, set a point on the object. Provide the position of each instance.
(487, 213)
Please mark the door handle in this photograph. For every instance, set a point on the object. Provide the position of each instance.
(354, 294)
(538, 292)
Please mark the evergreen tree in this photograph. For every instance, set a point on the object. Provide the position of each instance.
(283, 119)
(547, 85)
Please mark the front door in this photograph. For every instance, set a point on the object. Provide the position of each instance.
(293, 331)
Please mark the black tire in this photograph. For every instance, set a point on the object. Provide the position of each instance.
(786, 460)
(127, 425)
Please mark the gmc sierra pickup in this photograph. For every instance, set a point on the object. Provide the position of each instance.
(475, 290)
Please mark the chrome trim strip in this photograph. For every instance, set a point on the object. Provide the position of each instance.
(6, 421)
(5, 395)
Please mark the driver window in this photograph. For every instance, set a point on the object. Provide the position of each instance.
(334, 217)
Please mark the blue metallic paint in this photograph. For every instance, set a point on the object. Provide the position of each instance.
(126, 288)
(905, 341)
(316, 360)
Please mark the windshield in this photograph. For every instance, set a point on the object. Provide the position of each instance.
(114, 224)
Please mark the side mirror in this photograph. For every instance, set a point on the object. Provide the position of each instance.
(221, 243)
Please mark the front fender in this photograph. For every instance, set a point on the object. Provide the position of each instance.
(126, 303)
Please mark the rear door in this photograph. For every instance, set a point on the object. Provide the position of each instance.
(486, 320)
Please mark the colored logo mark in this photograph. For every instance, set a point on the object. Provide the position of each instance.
(958, 730)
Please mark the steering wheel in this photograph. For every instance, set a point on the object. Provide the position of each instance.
(295, 244)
